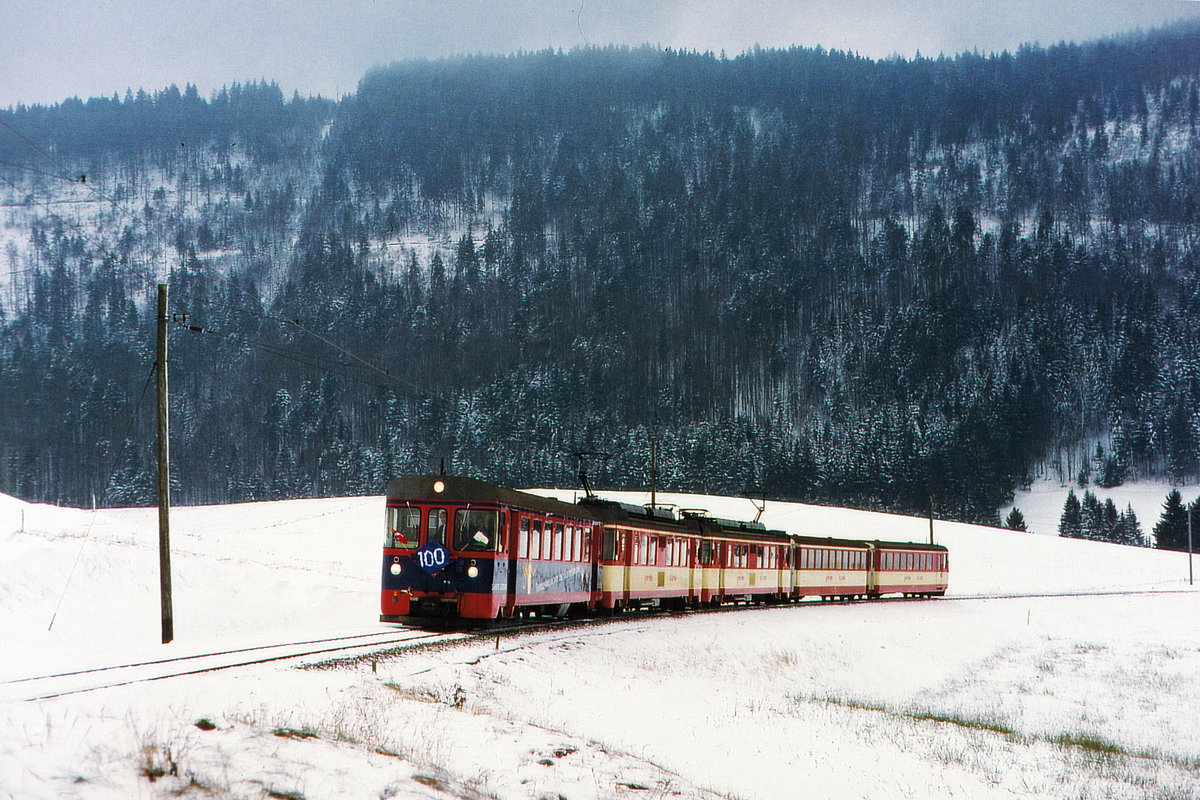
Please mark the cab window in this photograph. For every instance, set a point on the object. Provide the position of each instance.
(437, 526)
(609, 551)
(404, 527)
(475, 529)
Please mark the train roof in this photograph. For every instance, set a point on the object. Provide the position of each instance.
(828, 541)
(423, 488)
(456, 488)
(459, 489)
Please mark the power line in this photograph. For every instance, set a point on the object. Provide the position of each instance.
(66, 174)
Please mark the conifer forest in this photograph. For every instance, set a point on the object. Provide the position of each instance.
(804, 273)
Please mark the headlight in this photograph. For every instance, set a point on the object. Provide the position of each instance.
(396, 568)
(472, 571)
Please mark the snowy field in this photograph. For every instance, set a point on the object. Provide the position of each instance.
(1055, 668)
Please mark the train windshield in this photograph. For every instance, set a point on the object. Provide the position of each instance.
(475, 530)
(435, 530)
(404, 527)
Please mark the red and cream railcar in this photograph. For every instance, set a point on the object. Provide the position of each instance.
(748, 562)
(830, 568)
(914, 570)
(642, 565)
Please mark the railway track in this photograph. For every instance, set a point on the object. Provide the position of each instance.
(355, 648)
(45, 687)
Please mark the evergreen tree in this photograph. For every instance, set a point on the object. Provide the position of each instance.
(1071, 523)
(1129, 530)
(1015, 520)
(1170, 533)
(1092, 517)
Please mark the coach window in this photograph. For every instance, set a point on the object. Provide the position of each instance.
(523, 539)
(437, 526)
(706, 552)
(475, 529)
(535, 540)
(547, 541)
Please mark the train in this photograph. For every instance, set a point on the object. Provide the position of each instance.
(465, 549)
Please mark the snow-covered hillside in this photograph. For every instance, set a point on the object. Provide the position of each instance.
(1025, 696)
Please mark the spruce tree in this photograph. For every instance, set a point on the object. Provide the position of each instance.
(1015, 520)
(1093, 518)
(1071, 523)
(1171, 531)
(1129, 530)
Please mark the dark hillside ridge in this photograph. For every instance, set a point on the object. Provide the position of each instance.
(806, 273)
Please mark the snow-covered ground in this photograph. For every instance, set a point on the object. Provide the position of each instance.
(1057, 695)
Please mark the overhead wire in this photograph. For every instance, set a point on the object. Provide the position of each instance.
(67, 175)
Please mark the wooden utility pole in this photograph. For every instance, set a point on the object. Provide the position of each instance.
(164, 474)
(931, 519)
(1190, 509)
(653, 471)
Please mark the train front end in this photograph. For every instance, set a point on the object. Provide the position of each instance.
(443, 550)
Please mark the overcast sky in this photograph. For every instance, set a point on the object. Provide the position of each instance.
(54, 49)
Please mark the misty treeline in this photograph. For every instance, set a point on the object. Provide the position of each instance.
(804, 273)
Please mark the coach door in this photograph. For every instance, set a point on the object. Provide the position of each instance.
(518, 548)
(872, 571)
